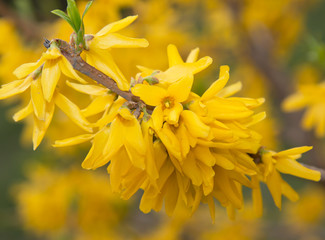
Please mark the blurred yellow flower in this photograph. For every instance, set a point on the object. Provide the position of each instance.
(311, 97)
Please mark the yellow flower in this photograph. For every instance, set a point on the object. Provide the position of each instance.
(54, 63)
(51, 202)
(97, 53)
(167, 102)
(174, 86)
(283, 162)
(309, 96)
(42, 78)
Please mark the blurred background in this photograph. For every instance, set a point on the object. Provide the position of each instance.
(272, 47)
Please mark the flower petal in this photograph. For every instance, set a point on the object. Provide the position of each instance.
(151, 95)
(88, 89)
(73, 140)
(37, 98)
(115, 26)
(24, 112)
(292, 167)
(50, 77)
(193, 56)
(24, 70)
(217, 85)
(293, 151)
(72, 111)
(173, 56)
(40, 127)
(14, 88)
(68, 70)
(98, 105)
(103, 61)
(115, 40)
(181, 89)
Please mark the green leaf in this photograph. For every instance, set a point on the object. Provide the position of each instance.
(86, 9)
(74, 14)
(63, 15)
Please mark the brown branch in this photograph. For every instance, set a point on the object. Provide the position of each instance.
(80, 65)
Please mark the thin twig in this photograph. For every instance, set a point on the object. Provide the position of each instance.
(80, 65)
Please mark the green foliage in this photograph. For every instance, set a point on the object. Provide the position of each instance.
(75, 21)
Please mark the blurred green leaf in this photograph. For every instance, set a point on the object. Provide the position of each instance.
(62, 15)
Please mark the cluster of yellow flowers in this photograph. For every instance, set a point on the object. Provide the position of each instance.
(69, 203)
(180, 148)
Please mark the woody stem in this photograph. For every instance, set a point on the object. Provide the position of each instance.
(80, 65)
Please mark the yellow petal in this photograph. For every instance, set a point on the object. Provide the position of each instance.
(94, 90)
(294, 102)
(257, 197)
(172, 114)
(170, 141)
(201, 64)
(40, 127)
(217, 85)
(68, 70)
(50, 77)
(145, 71)
(181, 89)
(95, 157)
(157, 117)
(256, 119)
(290, 166)
(230, 90)
(151, 95)
(204, 155)
(293, 151)
(24, 70)
(310, 117)
(115, 26)
(72, 111)
(194, 125)
(103, 61)
(99, 104)
(116, 138)
(37, 99)
(73, 140)
(115, 40)
(273, 182)
(211, 208)
(289, 192)
(173, 56)
(227, 186)
(15, 87)
(193, 56)
(134, 141)
(191, 170)
(171, 195)
(23, 113)
(223, 161)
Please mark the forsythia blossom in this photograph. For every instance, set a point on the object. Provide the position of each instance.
(180, 148)
(311, 97)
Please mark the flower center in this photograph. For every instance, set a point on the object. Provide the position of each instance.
(168, 102)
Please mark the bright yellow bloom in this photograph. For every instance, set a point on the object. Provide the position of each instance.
(167, 102)
(311, 97)
(97, 53)
(42, 78)
(282, 162)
